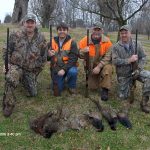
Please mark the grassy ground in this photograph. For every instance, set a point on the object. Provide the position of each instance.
(16, 134)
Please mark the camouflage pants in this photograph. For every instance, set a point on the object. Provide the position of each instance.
(126, 84)
(16, 75)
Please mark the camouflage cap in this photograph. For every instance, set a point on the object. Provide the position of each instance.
(97, 25)
(125, 27)
(30, 17)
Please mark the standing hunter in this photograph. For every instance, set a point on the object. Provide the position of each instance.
(99, 59)
(125, 53)
(27, 54)
(63, 54)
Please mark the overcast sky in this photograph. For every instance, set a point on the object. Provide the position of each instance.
(6, 7)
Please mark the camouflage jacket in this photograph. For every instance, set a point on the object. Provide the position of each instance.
(120, 56)
(27, 54)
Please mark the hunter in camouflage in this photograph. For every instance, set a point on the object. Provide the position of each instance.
(27, 54)
(123, 57)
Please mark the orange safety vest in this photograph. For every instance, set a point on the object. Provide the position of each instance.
(66, 47)
(105, 44)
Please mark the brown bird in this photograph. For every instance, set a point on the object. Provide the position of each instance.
(107, 113)
(37, 124)
(95, 119)
(124, 120)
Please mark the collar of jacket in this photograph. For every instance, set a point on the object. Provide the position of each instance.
(24, 33)
(121, 44)
(104, 39)
(56, 38)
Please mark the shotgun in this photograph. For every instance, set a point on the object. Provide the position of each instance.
(135, 64)
(6, 55)
(135, 70)
(87, 66)
(52, 68)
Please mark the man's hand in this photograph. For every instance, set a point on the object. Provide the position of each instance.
(136, 74)
(96, 70)
(85, 50)
(61, 72)
(51, 53)
(133, 58)
(4, 70)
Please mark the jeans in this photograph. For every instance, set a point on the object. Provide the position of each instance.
(70, 77)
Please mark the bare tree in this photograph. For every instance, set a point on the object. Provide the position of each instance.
(72, 16)
(43, 9)
(142, 21)
(7, 19)
(118, 10)
(59, 12)
(70, 13)
(146, 16)
(20, 10)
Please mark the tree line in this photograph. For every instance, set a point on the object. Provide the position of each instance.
(78, 13)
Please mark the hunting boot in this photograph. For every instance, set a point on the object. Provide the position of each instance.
(72, 91)
(8, 101)
(144, 104)
(104, 94)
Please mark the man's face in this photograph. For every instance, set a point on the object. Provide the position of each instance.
(125, 36)
(96, 33)
(62, 32)
(30, 26)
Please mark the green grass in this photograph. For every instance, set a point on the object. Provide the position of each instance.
(86, 139)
